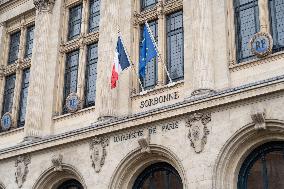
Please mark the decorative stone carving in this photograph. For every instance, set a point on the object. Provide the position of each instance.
(258, 117)
(57, 162)
(1, 72)
(198, 130)
(144, 144)
(44, 5)
(22, 170)
(98, 152)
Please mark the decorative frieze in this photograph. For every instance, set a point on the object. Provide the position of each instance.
(22, 169)
(198, 130)
(98, 152)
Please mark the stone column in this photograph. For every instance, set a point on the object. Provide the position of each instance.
(202, 28)
(35, 101)
(106, 104)
(161, 44)
(263, 15)
(2, 80)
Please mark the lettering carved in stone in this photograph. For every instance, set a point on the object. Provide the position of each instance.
(98, 152)
(44, 5)
(198, 130)
(22, 170)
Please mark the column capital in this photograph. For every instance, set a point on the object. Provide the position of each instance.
(44, 5)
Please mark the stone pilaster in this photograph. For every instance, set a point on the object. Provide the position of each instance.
(81, 73)
(106, 104)
(17, 94)
(161, 45)
(2, 80)
(35, 104)
(263, 15)
(202, 28)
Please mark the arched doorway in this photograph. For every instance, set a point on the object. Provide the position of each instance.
(263, 168)
(71, 184)
(158, 176)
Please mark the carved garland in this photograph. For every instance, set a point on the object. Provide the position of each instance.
(198, 130)
(98, 152)
(22, 170)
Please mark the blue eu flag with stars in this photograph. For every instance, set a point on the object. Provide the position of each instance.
(147, 51)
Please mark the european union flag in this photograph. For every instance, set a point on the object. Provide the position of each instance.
(147, 51)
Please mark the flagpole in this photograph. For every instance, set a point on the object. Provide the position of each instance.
(132, 65)
(159, 55)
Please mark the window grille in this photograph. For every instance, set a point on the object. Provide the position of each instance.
(9, 93)
(75, 18)
(29, 41)
(146, 4)
(14, 47)
(94, 18)
(23, 98)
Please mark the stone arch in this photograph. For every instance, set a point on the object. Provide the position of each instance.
(51, 179)
(136, 161)
(237, 148)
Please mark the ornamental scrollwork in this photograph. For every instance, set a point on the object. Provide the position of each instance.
(22, 170)
(198, 130)
(98, 152)
(44, 5)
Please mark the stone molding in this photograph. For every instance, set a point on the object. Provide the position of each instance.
(22, 169)
(223, 98)
(198, 130)
(44, 5)
(98, 152)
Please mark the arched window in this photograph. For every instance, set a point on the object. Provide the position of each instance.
(158, 176)
(247, 24)
(71, 184)
(263, 168)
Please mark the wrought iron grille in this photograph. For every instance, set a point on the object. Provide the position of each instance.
(14, 47)
(29, 41)
(71, 184)
(75, 18)
(9, 94)
(277, 24)
(146, 4)
(94, 18)
(71, 75)
(247, 24)
(158, 176)
(91, 75)
(151, 70)
(175, 56)
(23, 98)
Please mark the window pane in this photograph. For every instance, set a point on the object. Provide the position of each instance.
(175, 46)
(75, 17)
(91, 75)
(146, 4)
(23, 98)
(70, 76)
(29, 41)
(14, 47)
(9, 94)
(247, 24)
(277, 24)
(94, 15)
(151, 70)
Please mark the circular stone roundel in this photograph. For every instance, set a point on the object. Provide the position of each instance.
(261, 44)
(6, 121)
(72, 102)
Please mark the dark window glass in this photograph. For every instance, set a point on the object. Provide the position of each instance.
(277, 24)
(158, 176)
(29, 41)
(91, 75)
(263, 168)
(146, 4)
(175, 46)
(75, 18)
(71, 184)
(14, 47)
(247, 24)
(9, 94)
(70, 76)
(23, 98)
(151, 70)
(94, 18)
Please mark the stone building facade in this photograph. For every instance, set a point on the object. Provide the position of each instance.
(218, 125)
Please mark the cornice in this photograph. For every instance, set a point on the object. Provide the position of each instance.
(191, 105)
(7, 5)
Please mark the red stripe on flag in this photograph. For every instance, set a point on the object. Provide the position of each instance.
(114, 77)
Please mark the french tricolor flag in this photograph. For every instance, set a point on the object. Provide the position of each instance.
(120, 62)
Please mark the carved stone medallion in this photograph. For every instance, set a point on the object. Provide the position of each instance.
(72, 102)
(198, 130)
(44, 5)
(261, 44)
(22, 169)
(98, 152)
